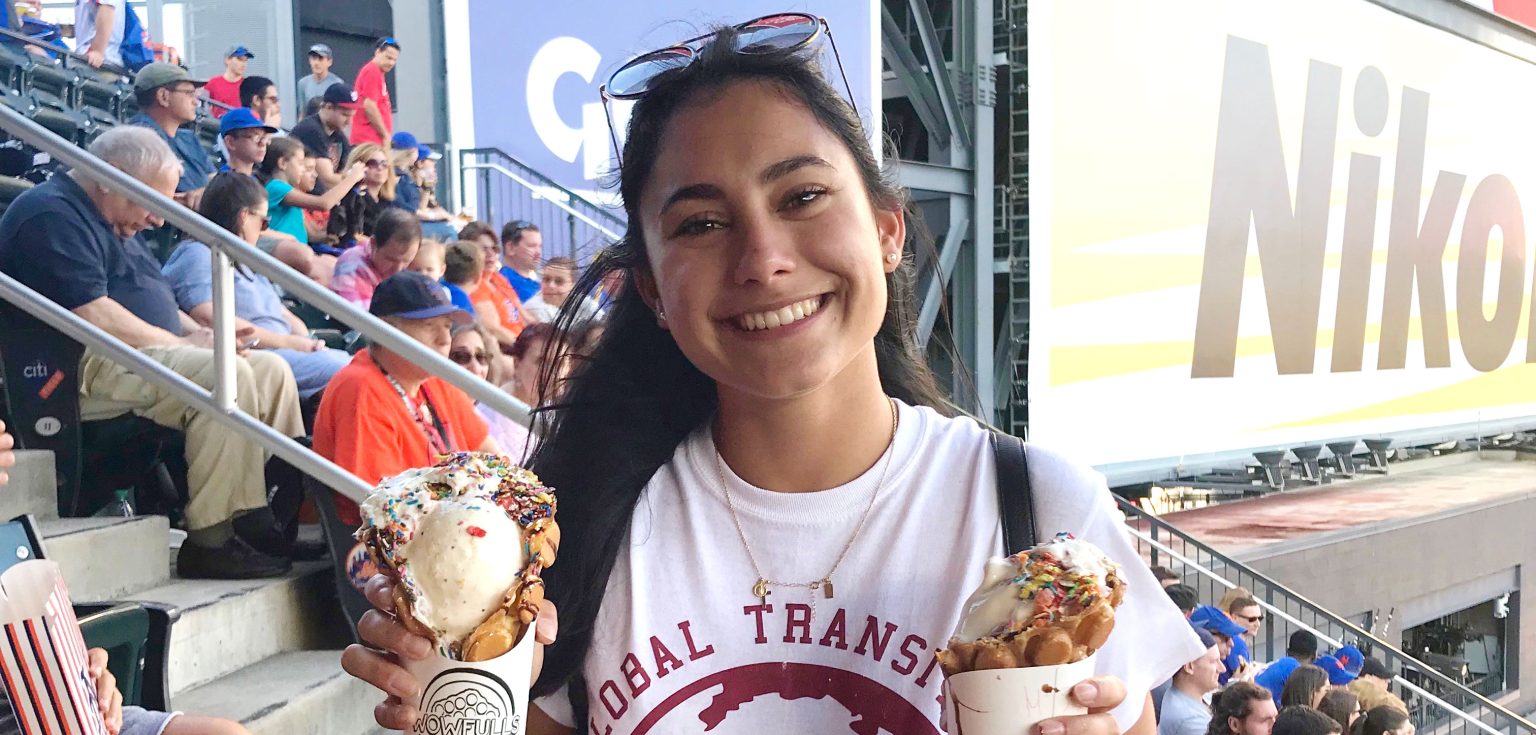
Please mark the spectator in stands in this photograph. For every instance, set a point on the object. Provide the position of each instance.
(238, 204)
(1232, 595)
(378, 124)
(1239, 659)
(1182, 595)
(1342, 665)
(522, 247)
(429, 259)
(608, 292)
(1386, 720)
(324, 134)
(287, 171)
(1304, 687)
(554, 290)
(435, 220)
(167, 98)
(260, 95)
(474, 349)
(1245, 611)
(462, 266)
(1374, 686)
(1303, 720)
(319, 78)
(482, 234)
(1301, 649)
(354, 219)
(1164, 576)
(538, 365)
(225, 87)
(1243, 708)
(497, 305)
(1342, 706)
(402, 158)
(361, 269)
(245, 140)
(1183, 710)
(382, 414)
(99, 31)
(76, 242)
(7, 455)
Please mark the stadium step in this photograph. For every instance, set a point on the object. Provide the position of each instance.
(33, 487)
(108, 558)
(227, 626)
(296, 693)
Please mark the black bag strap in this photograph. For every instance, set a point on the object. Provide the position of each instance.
(1015, 499)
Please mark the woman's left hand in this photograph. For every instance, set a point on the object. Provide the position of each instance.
(1100, 695)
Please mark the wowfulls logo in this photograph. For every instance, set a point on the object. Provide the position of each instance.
(468, 702)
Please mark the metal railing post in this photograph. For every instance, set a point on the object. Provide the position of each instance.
(224, 387)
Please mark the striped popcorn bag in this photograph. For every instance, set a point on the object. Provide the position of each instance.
(42, 654)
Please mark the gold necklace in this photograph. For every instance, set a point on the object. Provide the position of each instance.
(824, 584)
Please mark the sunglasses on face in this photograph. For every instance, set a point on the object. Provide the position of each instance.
(464, 357)
(375, 163)
(770, 34)
(1252, 619)
(266, 221)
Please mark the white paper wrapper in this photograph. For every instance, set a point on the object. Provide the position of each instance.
(1011, 701)
(482, 697)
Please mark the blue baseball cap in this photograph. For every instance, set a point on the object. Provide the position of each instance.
(1211, 618)
(240, 51)
(1343, 666)
(241, 118)
(412, 295)
(403, 141)
(425, 152)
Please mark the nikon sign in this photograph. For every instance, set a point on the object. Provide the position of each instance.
(1257, 225)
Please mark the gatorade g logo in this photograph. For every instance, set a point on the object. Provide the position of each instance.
(468, 702)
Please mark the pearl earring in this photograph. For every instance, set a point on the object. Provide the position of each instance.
(892, 257)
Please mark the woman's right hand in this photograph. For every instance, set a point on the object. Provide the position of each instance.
(355, 171)
(391, 643)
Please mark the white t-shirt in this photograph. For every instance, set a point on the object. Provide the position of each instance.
(683, 646)
(85, 28)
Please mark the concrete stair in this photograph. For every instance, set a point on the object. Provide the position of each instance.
(265, 653)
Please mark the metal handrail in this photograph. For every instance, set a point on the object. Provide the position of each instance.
(1324, 637)
(224, 243)
(24, 38)
(535, 189)
(545, 181)
(1134, 512)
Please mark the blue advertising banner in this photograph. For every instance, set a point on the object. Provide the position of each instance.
(535, 69)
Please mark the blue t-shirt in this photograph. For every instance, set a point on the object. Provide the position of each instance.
(525, 287)
(55, 240)
(460, 299)
(196, 166)
(1274, 675)
(407, 193)
(286, 218)
(190, 272)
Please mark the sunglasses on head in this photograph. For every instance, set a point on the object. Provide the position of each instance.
(464, 357)
(770, 34)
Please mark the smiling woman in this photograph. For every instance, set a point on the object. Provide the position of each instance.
(772, 513)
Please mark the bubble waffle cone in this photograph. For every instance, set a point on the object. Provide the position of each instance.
(1048, 606)
(396, 512)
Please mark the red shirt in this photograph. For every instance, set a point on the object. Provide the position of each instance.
(370, 86)
(223, 90)
(363, 425)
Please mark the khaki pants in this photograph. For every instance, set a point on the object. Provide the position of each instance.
(226, 473)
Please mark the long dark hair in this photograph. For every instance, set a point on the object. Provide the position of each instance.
(636, 397)
(1302, 685)
(1341, 705)
(1382, 719)
(1298, 719)
(226, 195)
(277, 150)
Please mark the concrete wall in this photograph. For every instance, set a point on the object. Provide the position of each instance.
(1420, 564)
(417, 97)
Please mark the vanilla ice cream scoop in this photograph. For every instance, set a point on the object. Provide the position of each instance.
(458, 536)
(1061, 577)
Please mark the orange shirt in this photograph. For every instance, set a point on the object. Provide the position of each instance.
(364, 428)
(494, 288)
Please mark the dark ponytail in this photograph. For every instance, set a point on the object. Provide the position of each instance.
(630, 403)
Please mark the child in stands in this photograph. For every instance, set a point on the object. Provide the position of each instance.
(429, 259)
(554, 287)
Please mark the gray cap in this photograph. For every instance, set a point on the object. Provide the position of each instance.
(321, 49)
(159, 74)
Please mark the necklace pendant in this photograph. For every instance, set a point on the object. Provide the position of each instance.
(826, 587)
(760, 590)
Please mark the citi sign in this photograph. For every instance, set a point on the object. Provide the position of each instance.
(1250, 185)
